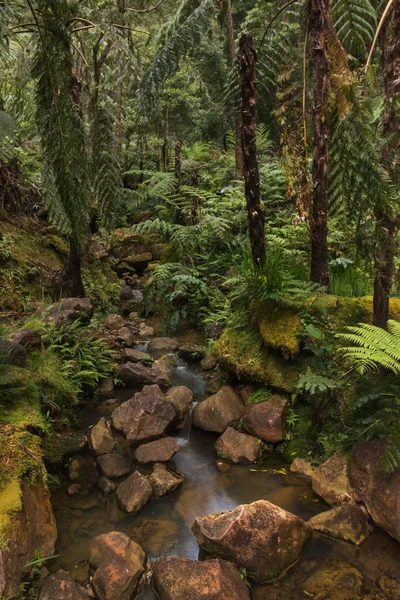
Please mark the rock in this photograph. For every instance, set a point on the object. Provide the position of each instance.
(74, 444)
(118, 564)
(113, 465)
(267, 420)
(330, 481)
(162, 344)
(145, 331)
(261, 537)
(139, 262)
(81, 467)
(158, 451)
(208, 363)
(162, 481)
(126, 293)
(31, 529)
(380, 494)
(238, 447)
(101, 440)
(28, 338)
(126, 337)
(134, 492)
(191, 352)
(106, 387)
(348, 522)
(334, 580)
(106, 486)
(137, 356)
(183, 578)
(113, 322)
(145, 417)
(390, 587)
(217, 412)
(181, 398)
(61, 586)
(302, 467)
(15, 353)
(134, 374)
(69, 309)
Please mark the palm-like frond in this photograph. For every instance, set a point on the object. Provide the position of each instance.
(355, 24)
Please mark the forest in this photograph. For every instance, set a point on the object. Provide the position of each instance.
(199, 299)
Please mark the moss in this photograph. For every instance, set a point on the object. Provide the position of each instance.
(280, 327)
(101, 285)
(10, 502)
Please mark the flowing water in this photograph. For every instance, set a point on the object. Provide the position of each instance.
(163, 526)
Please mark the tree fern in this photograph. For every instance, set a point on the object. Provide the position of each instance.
(355, 24)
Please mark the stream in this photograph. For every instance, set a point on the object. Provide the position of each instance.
(163, 526)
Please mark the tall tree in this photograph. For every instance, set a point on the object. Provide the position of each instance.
(232, 57)
(255, 214)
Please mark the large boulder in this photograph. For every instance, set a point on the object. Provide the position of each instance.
(136, 356)
(237, 447)
(191, 352)
(15, 353)
(331, 481)
(267, 420)
(162, 345)
(101, 439)
(264, 539)
(162, 481)
(379, 493)
(134, 492)
(28, 338)
(348, 522)
(132, 374)
(182, 578)
(69, 309)
(181, 398)
(118, 564)
(158, 451)
(113, 322)
(145, 417)
(139, 262)
(113, 466)
(61, 586)
(217, 412)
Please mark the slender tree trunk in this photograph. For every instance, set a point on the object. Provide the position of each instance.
(120, 85)
(232, 57)
(195, 199)
(165, 157)
(320, 111)
(256, 220)
(179, 216)
(385, 248)
(71, 276)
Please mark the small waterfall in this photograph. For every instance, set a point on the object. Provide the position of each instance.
(187, 424)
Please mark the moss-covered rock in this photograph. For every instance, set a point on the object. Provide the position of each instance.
(342, 312)
(280, 328)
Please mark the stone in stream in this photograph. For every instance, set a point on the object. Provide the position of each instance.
(158, 451)
(331, 481)
(74, 444)
(162, 344)
(126, 336)
(145, 417)
(208, 363)
(267, 420)
(136, 373)
(162, 481)
(262, 538)
(80, 467)
(184, 579)
(237, 447)
(348, 522)
(302, 467)
(101, 440)
(134, 492)
(113, 465)
(106, 486)
(113, 322)
(379, 493)
(28, 338)
(106, 387)
(61, 586)
(136, 356)
(191, 352)
(118, 564)
(181, 398)
(217, 412)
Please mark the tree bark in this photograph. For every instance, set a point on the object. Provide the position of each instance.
(232, 57)
(320, 111)
(256, 219)
(120, 85)
(385, 248)
(71, 276)
(196, 201)
(179, 216)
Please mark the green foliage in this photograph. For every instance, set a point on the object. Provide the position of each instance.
(10, 383)
(355, 24)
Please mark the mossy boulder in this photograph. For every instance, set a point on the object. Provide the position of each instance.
(280, 327)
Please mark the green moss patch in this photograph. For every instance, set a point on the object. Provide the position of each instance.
(280, 327)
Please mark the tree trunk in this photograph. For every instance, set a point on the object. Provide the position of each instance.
(232, 57)
(320, 110)
(165, 156)
(179, 216)
(120, 84)
(71, 276)
(256, 220)
(196, 201)
(385, 248)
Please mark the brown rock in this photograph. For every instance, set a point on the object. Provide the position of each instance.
(28, 338)
(184, 579)
(162, 481)
(335, 580)
(80, 305)
(136, 356)
(158, 451)
(162, 344)
(74, 444)
(15, 353)
(126, 337)
(113, 322)
(380, 494)
(101, 440)
(106, 387)
(61, 586)
(261, 537)
(106, 486)
(113, 465)
(267, 420)
(80, 467)
(136, 373)
(217, 412)
(145, 417)
(181, 398)
(118, 563)
(302, 467)
(139, 262)
(191, 352)
(208, 363)
(330, 481)
(134, 492)
(238, 447)
(348, 522)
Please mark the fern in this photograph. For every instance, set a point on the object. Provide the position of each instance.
(355, 24)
